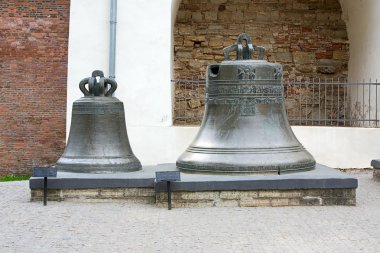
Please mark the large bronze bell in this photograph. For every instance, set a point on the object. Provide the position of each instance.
(245, 128)
(98, 140)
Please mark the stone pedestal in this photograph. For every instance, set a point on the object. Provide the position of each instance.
(297, 197)
(376, 169)
(323, 186)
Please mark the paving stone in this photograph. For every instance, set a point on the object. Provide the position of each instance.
(135, 227)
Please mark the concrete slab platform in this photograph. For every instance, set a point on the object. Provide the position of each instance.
(322, 177)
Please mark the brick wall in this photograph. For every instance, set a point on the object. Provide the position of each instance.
(33, 73)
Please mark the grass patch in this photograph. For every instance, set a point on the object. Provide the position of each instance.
(13, 178)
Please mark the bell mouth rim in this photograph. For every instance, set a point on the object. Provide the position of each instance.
(99, 169)
(99, 166)
(219, 168)
(246, 150)
(245, 172)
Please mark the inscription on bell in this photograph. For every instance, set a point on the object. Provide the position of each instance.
(244, 97)
(261, 90)
(246, 105)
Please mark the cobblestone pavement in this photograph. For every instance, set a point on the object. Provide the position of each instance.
(122, 227)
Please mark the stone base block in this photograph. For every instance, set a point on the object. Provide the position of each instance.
(376, 169)
(376, 173)
(133, 195)
(274, 198)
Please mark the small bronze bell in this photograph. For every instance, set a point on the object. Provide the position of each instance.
(98, 140)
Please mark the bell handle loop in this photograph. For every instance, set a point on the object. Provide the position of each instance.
(251, 49)
(82, 86)
(100, 88)
(228, 50)
(239, 49)
(243, 43)
(239, 53)
(261, 51)
(91, 85)
(112, 88)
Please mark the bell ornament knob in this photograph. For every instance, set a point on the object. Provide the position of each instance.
(243, 48)
(98, 85)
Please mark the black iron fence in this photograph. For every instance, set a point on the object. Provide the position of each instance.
(327, 102)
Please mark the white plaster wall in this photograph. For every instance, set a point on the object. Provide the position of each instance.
(337, 147)
(88, 45)
(174, 10)
(143, 61)
(143, 71)
(341, 147)
(155, 145)
(362, 20)
(143, 55)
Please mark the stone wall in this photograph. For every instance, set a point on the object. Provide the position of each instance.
(308, 37)
(33, 70)
(376, 174)
(300, 197)
(131, 195)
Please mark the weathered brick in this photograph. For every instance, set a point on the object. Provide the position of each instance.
(215, 42)
(198, 204)
(311, 201)
(341, 55)
(33, 86)
(211, 16)
(238, 194)
(376, 173)
(305, 68)
(200, 195)
(294, 32)
(250, 202)
(294, 202)
(184, 16)
(227, 203)
(303, 57)
(139, 192)
(38, 194)
(112, 193)
(279, 202)
(333, 201)
(80, 193)
(282, 57)
(217, 2)
(279, 194)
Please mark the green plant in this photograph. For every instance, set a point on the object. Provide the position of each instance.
(13, 178)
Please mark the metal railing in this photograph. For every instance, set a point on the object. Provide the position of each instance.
(318, 102)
